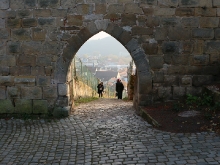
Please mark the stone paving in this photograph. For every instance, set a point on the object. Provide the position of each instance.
(106, 131)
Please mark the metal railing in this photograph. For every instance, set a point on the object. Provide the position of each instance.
(82, 73)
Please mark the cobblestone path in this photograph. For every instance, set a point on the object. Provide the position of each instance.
(106, 131)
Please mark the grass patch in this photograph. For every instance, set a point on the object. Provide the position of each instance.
(85, 100)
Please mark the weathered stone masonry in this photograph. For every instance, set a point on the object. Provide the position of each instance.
(175, 45)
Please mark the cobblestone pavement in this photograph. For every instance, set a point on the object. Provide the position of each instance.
(106, 131)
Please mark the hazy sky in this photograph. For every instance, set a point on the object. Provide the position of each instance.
(99, 35)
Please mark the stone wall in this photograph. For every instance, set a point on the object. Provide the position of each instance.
(174, 44)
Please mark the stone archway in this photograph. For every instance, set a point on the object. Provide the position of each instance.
(144, 81)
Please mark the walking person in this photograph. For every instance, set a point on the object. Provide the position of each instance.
(100, 89)
(119, 88)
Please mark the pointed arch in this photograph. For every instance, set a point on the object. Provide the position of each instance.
(144, 79)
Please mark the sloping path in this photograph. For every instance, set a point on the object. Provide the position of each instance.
(106, 131)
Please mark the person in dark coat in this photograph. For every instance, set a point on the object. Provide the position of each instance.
(119, 88)
(100, 89)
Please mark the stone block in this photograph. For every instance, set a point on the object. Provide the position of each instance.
(158, 77)
(101, 24)
(29, 22)
(44, 81)
(40, 106)
(50, 92)
(8, 60)
(187, 47)
(4, 4)
(59, 12)
(170, 47)
(60, 112)
(170, 80)
(6, 80)
(62, 89)
(124, 38)
(32, 47)
(205, 12)
(62, 101)
(100, 8)
(31, 92)
(179, 92)
(74, 20)
(51, 47)
(185, 12)
(2, 14)
(49, 3)
(42, 12)
(195, 91)
(138, 30)
(115, 8)
(13, 47)
(46, 22)
(161, 33)
(44, 61)
(164, 11)
(198, 47)
(21, 34)
(26, 60)
(24, 13)
(23, 106)
(4, 70)
(186, 81)
(150, 48)
(128, 19)
(2, 23)
(175, 70)
(2, 48)
(38, 34)
(149, 2)
(37, 70)
(132, 45)
(2, 92)
(16, 4)
(216, 3)
(148, 11)
(24, 80)
(156, 62)
(211, 70)
(168, 3)
(4, 34)
(13, 92)
(65, 4)
(201, 33)
(214, 59)
(201, 80)
(174, 33)
(170, 21)
(11, 14)
(24, 70)
(6, 106)
(200, 59)
(190, 22)
(218, 12)
(209, 22)
(125, 1)
(84, 9)
(133, 8)
(142, 19)
(164, 93)
(48, 70)
(114, 30)
(217, 33)
(212, 47)
(30, 4)
(13, 23)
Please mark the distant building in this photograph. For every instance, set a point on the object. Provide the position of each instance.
(106, 75)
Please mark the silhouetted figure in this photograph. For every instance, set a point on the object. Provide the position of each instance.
(100, 89)
(119, 88)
